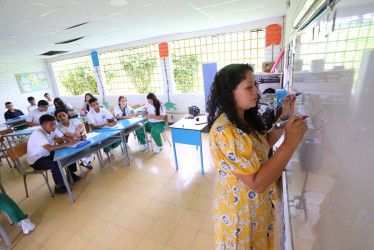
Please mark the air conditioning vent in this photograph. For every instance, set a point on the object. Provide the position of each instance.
(53, 52)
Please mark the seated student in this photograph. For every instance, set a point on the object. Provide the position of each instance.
(33, 117)
(100, 117)
(51, 107)
(40, 151)
(59, 104)
(12, 209)
(124, 111)
(155, 112)
(86, 106)
(32, 105)
(73, 129)
(12, 112)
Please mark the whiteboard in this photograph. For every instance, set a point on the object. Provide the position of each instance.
(330, 178)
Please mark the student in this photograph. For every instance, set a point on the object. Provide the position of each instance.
(124, 111)
(86, 106)
(12, 209)
(51, 107)
(41, 148)
(12, 112)
(155, 112)
(33, 117)
(100, 117)
(32, 105)
(59, 104)
(73, 129)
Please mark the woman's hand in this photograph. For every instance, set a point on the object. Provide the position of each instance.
(288, 105)
(294, 131)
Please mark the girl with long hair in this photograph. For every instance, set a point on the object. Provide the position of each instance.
(86, 106)
(242, 209)
(60, 104)
(155, 112)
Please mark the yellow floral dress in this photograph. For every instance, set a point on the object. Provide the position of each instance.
(243, 219)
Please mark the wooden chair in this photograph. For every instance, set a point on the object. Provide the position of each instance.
(87, 126)
(3, 151)
(20, 139)
(15, 154)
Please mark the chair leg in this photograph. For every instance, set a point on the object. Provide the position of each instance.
(46, 181)
(80, 168)
(10, 165)
(9, 219)
(24, 181)
(5, 237)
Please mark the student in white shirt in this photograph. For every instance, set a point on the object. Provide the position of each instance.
(51, 107)
(155, 112)
(32, 105)
(59, 104)
(33, 117)
(40, 151)
(73, 129)
(124, 111)
(100, 117)
(86, 107)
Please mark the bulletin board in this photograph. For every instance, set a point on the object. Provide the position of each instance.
(30, 82)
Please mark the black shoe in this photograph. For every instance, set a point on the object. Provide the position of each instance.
(75, 177)
(61, 190)
(88, 165)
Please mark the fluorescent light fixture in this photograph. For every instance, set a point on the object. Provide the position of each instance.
(118, 2)
(310, 10)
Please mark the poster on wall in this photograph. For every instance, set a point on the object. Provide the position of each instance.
(30, 82)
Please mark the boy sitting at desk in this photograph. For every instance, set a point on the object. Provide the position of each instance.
(12, 112)
(100, 117)
(32, 105)
(41, 147)
(33, 117)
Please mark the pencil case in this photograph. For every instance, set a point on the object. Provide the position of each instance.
(83, 143)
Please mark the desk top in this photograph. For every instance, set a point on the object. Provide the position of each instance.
(191, 124)
(17, 119)
(122, 124)
(64, 152)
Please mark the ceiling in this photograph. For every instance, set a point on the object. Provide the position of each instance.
(29, 28)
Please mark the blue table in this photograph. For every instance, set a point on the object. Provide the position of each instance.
(188, 131)
(16, 122)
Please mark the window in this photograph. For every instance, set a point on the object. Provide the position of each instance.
(75, 76)
(188, 55)
(133, 70)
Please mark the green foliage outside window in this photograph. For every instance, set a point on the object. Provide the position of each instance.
(139, 69)
(185, 73)
(78, 81)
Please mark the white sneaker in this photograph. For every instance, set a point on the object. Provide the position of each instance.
(112, 151)
(26, 225)
(105, 155)
(144, 147)
(157, 150)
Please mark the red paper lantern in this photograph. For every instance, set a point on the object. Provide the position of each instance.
(273, 34)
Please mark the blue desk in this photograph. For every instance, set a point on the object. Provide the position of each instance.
(187, 131)
(16, 122)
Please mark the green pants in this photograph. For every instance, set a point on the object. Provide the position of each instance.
(114, 145)
(156, 128)
(11, 208)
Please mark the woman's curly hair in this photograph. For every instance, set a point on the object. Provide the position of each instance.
(221, 99)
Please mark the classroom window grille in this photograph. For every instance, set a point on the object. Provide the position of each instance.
(188, 55)
(75, 76)
(133, 70)
(340, 49)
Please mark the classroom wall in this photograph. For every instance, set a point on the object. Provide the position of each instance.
(9, 88)
(292, 12)
(183, 101)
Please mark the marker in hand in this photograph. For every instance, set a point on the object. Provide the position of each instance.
(282, 124)
(288, 97)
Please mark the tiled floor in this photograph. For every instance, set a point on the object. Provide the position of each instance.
(148, 205)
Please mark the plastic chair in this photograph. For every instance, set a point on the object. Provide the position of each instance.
(17, 152)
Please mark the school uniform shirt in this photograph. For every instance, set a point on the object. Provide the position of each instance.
(99, 118)
(11, 115)
(31, 108)
(34, 115)
(73, 126)
(152, 111)
(37, 140)
(51, 107)
(119, 112)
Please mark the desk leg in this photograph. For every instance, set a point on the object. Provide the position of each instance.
(65, 181)
(100, 158)
(201, 156)
(175, 156)
(124, 145)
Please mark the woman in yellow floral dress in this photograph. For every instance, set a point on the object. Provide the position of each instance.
(242, 209)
